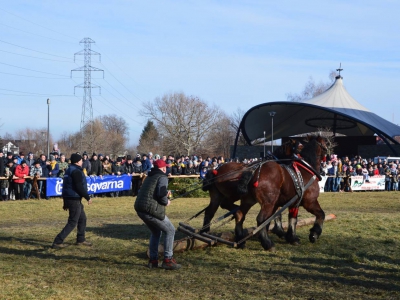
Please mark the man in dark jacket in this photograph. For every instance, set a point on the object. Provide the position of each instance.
(146, 164)
(86, 164)
(127, 168)
(150, 206)
(136, 180)
(74, 188)
(95, 166)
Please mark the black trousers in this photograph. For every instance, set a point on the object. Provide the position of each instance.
(77, 217)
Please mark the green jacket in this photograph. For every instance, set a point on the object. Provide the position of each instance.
(63, 166)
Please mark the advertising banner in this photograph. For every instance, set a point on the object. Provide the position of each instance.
(95, 184)
(376, 182)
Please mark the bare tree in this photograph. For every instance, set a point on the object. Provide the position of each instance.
(34, 140)
(312, 89)
(236, 119)
(221, 138)
(109, 135)
(183, 120)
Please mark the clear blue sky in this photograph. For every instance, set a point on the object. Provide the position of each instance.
(236, 54)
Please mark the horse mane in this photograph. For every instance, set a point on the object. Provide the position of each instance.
(309, 152)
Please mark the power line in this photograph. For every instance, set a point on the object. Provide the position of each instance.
(36, 34)
(34, 50)
(31, 76)
(127, 103)
(121, 83)
(37, 94)
(35, 56)
(123, 72)
(33, 70)
(37, 24)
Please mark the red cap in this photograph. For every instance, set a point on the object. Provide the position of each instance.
(159, 163)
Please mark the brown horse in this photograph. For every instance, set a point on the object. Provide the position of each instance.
(271, 186)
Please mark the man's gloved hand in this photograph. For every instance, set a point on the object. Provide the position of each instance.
(65, 207)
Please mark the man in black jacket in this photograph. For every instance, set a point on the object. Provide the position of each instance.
(150, 206)
(95, 166)
(74, 188)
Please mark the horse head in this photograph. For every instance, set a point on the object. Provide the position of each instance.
(314, 150)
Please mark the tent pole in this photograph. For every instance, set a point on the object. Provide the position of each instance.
(236, 141)
(388, 144)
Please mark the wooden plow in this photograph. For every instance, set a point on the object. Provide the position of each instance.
(192, 243)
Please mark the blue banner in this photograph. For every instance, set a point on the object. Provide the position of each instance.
(95, 184)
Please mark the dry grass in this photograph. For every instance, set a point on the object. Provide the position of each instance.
(357, 256)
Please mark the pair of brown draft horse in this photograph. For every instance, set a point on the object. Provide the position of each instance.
(271, 185)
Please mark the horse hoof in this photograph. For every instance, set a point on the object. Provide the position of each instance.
(313, 238)
(241, 246)
(295, 243)
(272, 249)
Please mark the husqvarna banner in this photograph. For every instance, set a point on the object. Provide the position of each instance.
(95, 184)
(377, 182)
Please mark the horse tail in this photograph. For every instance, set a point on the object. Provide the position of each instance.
(208, 181)
(243, 182)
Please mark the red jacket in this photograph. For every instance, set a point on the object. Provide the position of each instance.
(20, 172)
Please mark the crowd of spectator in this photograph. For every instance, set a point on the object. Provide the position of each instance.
(18, 171)
(340, 170)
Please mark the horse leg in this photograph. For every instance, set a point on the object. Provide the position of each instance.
(240, 216)
(278, 228)
(215, 200)
(314, 208)
(266, 242)
(291, 236)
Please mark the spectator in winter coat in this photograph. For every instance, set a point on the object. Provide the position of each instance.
(62, 165)
(117, 168)
(128, 170)
(203, 167)
(189, 170)
(5, 184)
(21, 171)
(107, 167)
(20, 158)
(30, 161)
(136, 181)
(95, 166)
(169, 162)
(36, 170)
(45, 165)
(54, 168)
(146, 164)
(8, 157)
(128, 166)
(86, 166)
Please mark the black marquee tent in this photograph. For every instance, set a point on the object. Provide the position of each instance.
(334, 109)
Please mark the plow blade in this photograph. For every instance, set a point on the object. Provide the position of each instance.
(197, 236)
(219, 240)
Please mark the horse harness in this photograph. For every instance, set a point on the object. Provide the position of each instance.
(297, 180)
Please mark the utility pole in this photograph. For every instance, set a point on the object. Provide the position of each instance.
(87, 108)
(48, 128)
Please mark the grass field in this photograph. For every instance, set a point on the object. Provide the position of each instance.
(357, 256)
